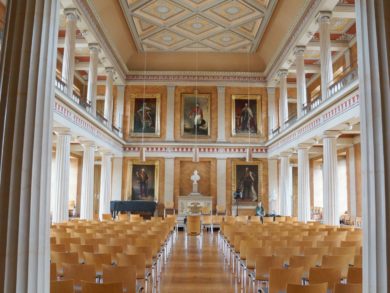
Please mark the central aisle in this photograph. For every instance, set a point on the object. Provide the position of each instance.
(196, 265)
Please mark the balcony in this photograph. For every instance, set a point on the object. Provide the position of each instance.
(99, 117)
(340, 82)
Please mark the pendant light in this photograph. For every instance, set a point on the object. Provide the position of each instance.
(142, 152)
(248, 151)
(195, 150)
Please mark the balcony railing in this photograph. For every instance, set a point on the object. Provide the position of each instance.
(291, 119)
(59, 84)
(349, 76)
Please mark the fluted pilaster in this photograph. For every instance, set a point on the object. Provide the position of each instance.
(92, 75)
(283, 99)
(105, 184)
(108, 96)
(271, 110)
(86, 205)
(284, 185)
(303, 183)
(301, 80)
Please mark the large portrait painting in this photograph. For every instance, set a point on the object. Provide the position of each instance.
(145, 115)
(195, 116)
(142, 181)
(246, 181)
(246, 115)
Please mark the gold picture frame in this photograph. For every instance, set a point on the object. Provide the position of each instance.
(238, 180)
(246, 115)
(195, 121)
(133, 189)
(145, 115)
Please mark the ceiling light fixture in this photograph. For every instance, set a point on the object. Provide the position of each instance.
(197, 25)
(142, 153)
(162, 9)
(195, 152)
(233, 10)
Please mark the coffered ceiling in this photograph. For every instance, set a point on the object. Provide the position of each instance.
(197, 25)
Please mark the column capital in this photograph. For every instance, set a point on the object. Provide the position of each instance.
(71, 13)
(94, 47)
(106, 153)
(271, 90)
(62, 131)
(299, 50)
(88, 143)
(324, 16)
(304, 146)
(331, 134)
(285, 154)
(282, 73)
(110, 70)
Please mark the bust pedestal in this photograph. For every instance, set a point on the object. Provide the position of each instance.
(195, 203)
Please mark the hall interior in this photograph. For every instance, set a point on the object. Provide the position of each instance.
(156, 144)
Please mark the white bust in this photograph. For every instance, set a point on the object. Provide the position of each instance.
(195, 177)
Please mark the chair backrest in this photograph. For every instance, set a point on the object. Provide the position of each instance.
(253, 252)
(264, 264)
(305, 261)
(357, 261)
(80, 249)
(106, 217)
(97, 259)
(79, 272)
(59, 258)
(279, 278)
(355, 275)
(331, 276)
(348, 288)
(193, 225)
(87, 287)
(137, 260)
(111, 250)
(145, 250)
(53, 271)
(341, 262)
(314, 288)
(65, 286)
(58, 248)
(120, 274)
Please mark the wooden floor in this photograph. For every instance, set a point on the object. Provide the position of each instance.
(196, 265)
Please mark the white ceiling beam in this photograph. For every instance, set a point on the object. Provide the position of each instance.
(335, 46)
(344, 11)
(309, 68)
(85, 66)
(80, 43)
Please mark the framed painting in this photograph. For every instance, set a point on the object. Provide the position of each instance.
(142, 181)
(195, 115)
(145, 115)
(246, 180)
(246, 115)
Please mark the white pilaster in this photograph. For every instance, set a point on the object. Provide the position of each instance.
(105, 185)
(331, 206)
(86, 204)
(284, 185)
(170, 112)
(373, 43)
(352, 180)
(303, 183)
(301, 80)
(169, 180)
(221, 182)
(221, 114)
(120, 99)
(325, 52)
(69, 49)
(108, 96)
(92, 76)
(283, 99)
(117, 169)
(61, 195)
(271, 110)
(347, 57)
(273, 186)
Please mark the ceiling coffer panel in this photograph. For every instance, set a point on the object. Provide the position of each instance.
(197, 25)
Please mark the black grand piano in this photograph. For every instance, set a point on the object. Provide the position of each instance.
(142, 207)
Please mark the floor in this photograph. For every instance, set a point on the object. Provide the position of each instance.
(197, 265)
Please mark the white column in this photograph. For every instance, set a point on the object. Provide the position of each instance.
(271, 110)
(273, 186)
(325, 52)
(27, 75)
(108, 96)
(284, 185)
(331, 207)
(92, 75)
(117, 169)
(221, 114)
(352, 180)
(105, 185)
(283, 99)
(69, 49)
(86, 204)
(303, 183)
(221, 182)
(61, 190)
(120, 100)
(169, 180)
(301, 80)
(347, 57)
(170, 112)
(372, 22)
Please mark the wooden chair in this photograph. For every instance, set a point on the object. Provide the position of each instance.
(119, 274)
(287, 252)
(268, 219)
(305, 261)
(68, 241)
(101, 288)
(314, 288)
(106, 217)
(58, 248)
(79, 272)
(340, 262)
(53, 271)
(279, 278)
(263, 265)
(65, 286)
(80, 249)
(348, 288)
(357, 261)
(331, 276)
(98, 260)
(193, 225)
(60, 258)
(355, 275)
(112, 250)
(133, 260)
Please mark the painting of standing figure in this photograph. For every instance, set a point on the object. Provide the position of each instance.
(143, 181)
(195, 116)
(246, 115)
(246, 181)
(145, 115)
